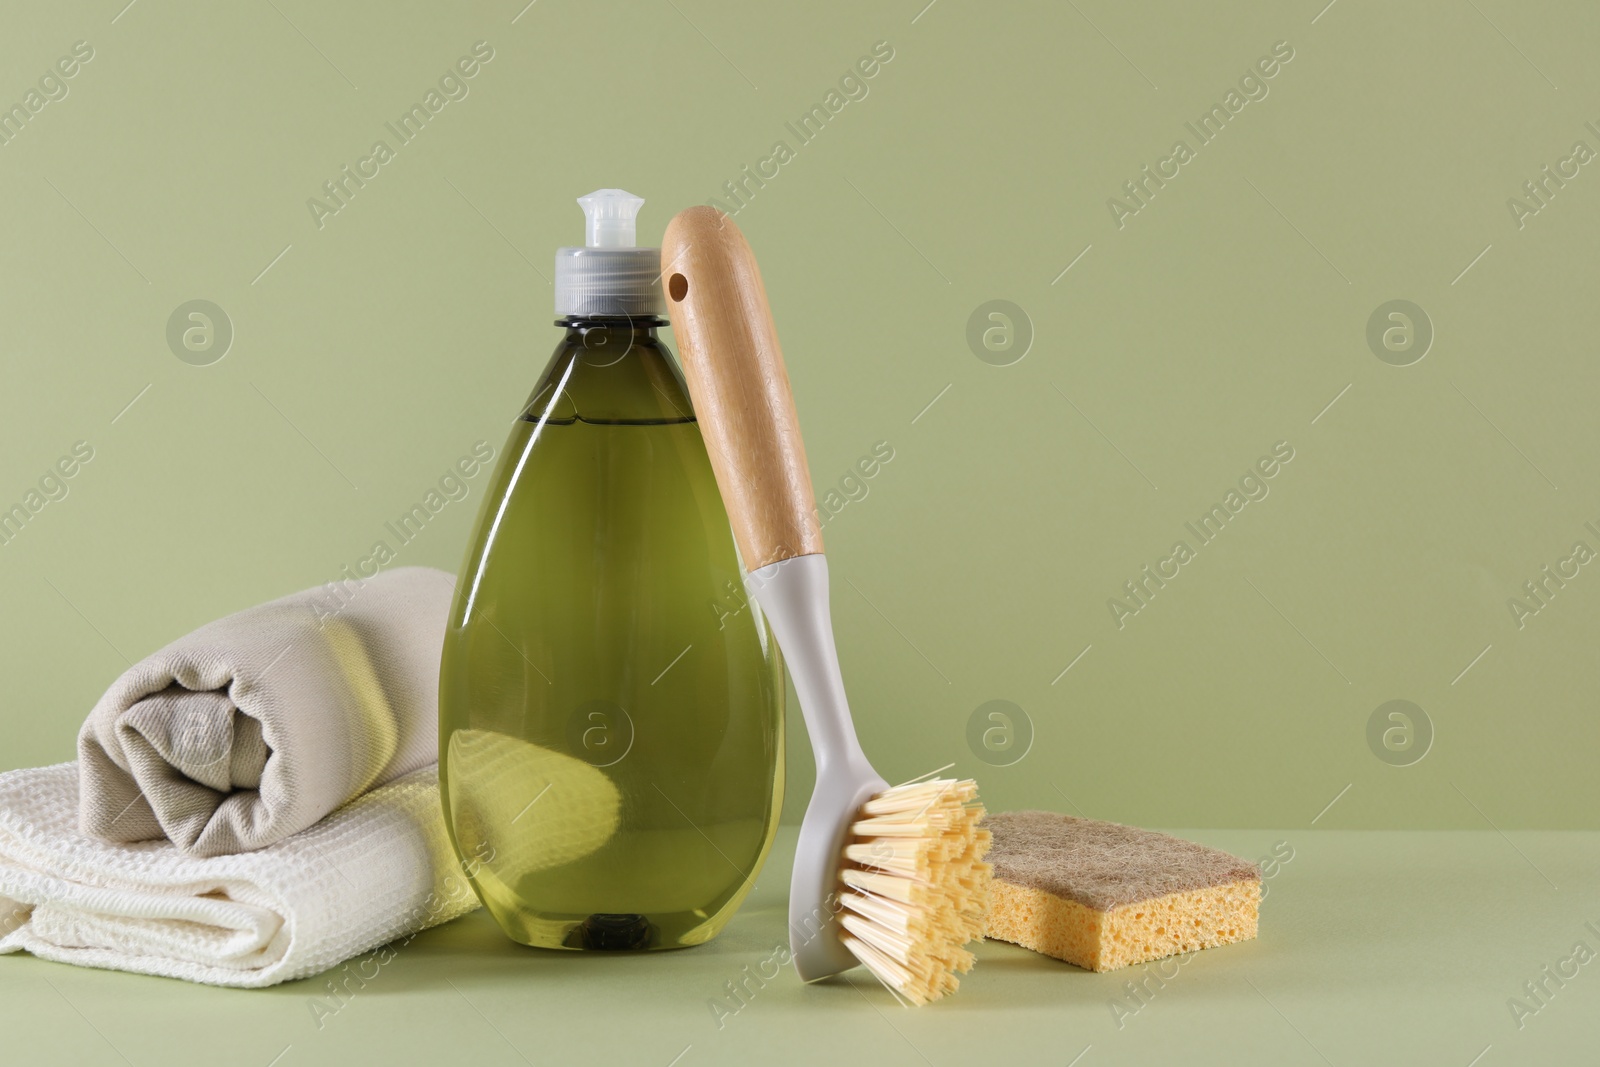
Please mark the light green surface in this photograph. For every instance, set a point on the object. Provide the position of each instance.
(1227, 315)
(1375, 948)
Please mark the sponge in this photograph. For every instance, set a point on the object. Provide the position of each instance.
(1103, 896)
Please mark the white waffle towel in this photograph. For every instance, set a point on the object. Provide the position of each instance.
(374, 871)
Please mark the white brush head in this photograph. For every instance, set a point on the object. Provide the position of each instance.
(816, 939)
(917, 887)
(896, 881)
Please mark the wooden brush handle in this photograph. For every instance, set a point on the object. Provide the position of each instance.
(734, 368)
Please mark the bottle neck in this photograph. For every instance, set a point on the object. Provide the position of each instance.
(615, 331)
(610, 369)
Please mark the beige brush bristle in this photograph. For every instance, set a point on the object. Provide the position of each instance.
(917, 888)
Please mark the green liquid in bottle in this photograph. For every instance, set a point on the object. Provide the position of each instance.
(610, 701)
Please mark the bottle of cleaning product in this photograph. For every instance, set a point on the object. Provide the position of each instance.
(610, 702)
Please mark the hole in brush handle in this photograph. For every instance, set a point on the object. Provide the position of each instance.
(733, 366)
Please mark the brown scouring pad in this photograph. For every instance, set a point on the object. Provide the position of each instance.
(1104, 896)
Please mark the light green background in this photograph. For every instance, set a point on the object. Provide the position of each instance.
(1225, 316)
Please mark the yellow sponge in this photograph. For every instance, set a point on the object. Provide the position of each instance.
(1104, 896)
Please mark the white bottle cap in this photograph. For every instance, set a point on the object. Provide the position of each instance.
(610, 213)
(609, 275)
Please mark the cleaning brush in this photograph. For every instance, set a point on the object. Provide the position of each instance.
(893, 878)
(918, 886)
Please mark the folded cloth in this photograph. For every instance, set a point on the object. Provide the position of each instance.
(372, 872)
(257, 725)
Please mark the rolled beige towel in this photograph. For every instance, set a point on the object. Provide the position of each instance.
(254, 727)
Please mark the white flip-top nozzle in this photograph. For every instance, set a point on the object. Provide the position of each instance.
(611, 214)
(609, 275)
